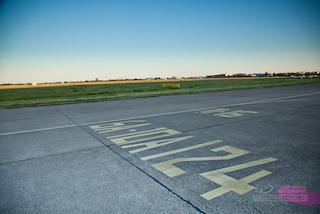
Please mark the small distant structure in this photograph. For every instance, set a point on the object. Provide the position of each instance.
(171, 85)
(218, 76)
(241, 75)
(33, 83)
(120, 79)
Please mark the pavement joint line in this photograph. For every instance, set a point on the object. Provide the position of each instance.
(76, 124)
(141, 170)
(156, 115)
(52, 155)
(138, 168)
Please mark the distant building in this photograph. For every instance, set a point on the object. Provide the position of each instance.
(218, 76)
(241, 75)
(33, 83)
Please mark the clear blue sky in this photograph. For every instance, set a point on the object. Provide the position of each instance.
(64, 40)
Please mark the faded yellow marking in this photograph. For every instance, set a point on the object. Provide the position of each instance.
(222, 112)
(170, 170)
(122, 139)
(229, 114)
(154, 144)
(180, 150)
(234, 113)
(231, 184)
(102, 126)
(117, 126)
(213, 111)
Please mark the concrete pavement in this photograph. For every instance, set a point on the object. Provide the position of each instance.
(225, 152)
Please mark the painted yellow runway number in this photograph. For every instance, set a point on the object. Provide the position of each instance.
(170, 170)
(123, 139)
(224, 112)
(154, 144)
(180, 150)
(145, 140)
(231, 184)
(118, 126)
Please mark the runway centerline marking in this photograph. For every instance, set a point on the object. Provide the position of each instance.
(156, 115)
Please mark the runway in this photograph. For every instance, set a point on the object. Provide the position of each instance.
(223, 152)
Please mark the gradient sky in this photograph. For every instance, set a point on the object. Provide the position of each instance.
(65, 40)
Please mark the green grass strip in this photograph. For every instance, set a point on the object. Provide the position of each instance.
(43, 96)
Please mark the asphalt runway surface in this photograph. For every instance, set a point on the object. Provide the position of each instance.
(224, 152)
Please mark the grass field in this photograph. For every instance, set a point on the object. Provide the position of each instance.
(91, 92)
